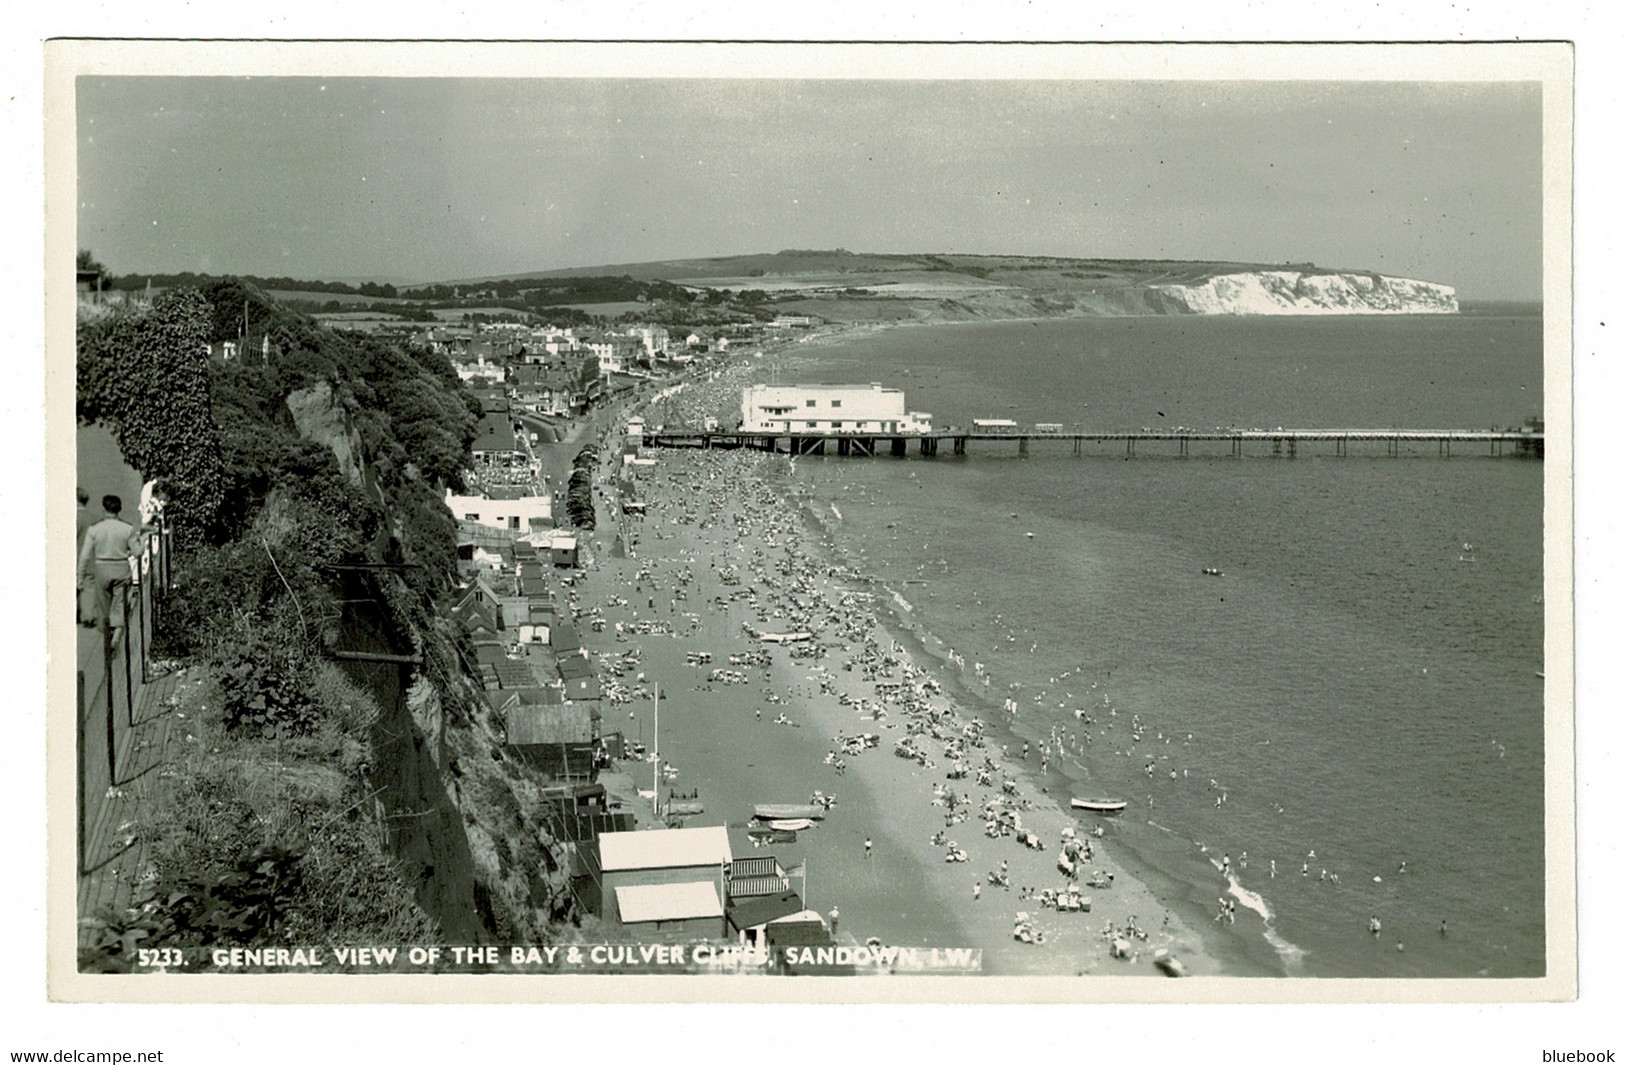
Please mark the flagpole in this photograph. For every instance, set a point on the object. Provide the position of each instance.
(657, 750)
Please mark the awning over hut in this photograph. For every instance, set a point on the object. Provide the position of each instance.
(667, 902)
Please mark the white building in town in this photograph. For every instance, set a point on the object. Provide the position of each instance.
(512, 509)
(480, 366)
(829, 409)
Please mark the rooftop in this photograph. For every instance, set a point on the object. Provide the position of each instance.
(765, 908)
(665, 902)
(664, 848)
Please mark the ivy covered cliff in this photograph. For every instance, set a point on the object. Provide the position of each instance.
(312, 799)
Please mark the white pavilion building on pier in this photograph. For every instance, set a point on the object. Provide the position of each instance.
(828, 409)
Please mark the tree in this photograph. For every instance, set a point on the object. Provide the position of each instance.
(145, 373)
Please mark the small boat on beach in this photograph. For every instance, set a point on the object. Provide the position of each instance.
(1168, 964)
(1100, 806)
(783, 637)
(794, 824)
(789, 811)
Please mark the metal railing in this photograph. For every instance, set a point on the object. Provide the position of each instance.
(110, 683)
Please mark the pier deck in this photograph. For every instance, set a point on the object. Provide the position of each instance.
(1524, 443)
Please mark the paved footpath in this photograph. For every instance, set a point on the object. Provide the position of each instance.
(115, 852)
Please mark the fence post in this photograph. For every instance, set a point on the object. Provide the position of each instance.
(141, 619)
(129, 692)
(107, 675)
(79, 727)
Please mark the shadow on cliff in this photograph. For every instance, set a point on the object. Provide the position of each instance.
(425, 827)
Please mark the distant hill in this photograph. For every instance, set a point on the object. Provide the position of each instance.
(840, 285)
(778, 263)
(801, 262)
(843, 286)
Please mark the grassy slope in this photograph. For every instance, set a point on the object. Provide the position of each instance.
(859, 269)
(929, 286)
(938, 287)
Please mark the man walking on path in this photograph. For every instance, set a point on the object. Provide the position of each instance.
(105, 559)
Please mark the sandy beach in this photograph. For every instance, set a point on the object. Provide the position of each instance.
(730, 548)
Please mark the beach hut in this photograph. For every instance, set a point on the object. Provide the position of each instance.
(807, 932)
(562, 550)
(556, 736)
(749, 917)
(515, 611)
(665, 884)
(566, 641)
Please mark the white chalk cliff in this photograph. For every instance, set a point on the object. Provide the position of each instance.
(1293, 292)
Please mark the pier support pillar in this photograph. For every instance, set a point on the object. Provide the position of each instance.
(1021, 447)
(1292, 447)
(899, 446)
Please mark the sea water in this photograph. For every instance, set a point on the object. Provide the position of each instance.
(1351, 713)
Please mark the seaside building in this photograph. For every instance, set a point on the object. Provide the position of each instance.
(480, 366)
(828, 409)
(543, 389)
(556, 735)
(537, 678)
(618, 352)
(759, 894)
(656, 339)
(664, 883)
(514, 509)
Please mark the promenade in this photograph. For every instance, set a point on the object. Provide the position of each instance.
(125, 727)
(123, 723)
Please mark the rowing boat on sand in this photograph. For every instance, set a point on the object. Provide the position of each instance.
(793, 824)
(766, 811)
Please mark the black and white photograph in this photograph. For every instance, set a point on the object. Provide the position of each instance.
(1064, 523)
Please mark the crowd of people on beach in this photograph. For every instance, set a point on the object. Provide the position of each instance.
(740, 519)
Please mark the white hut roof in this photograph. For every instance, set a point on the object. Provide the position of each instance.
(667, 902)
(664, 848)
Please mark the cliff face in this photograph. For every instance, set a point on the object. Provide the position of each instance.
(467, 825)
(1291, 292)
(318, 416)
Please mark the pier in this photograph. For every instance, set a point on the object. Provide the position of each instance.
(1526, 442)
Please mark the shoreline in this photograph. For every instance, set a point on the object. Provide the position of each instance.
(1241, 956)
(896, 793)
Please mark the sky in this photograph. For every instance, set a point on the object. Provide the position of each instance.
(433, 179)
